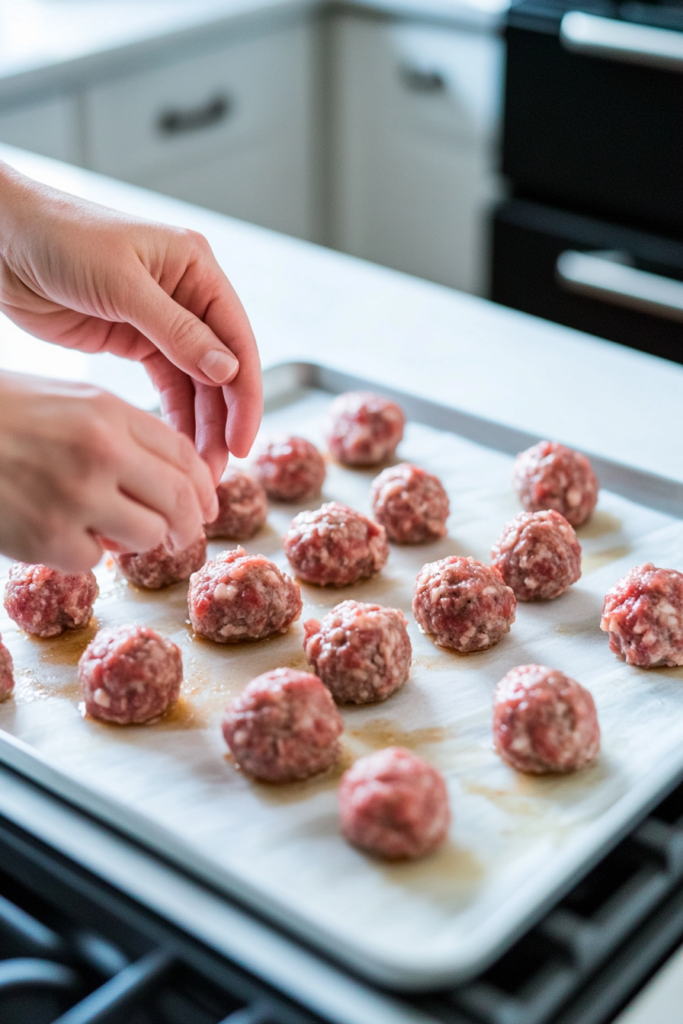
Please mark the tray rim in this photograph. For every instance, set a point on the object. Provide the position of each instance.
(496, 934)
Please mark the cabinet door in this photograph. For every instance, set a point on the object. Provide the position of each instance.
(48, 126)
(229, 128)
(414, 151)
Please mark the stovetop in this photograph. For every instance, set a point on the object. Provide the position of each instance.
(76, 950)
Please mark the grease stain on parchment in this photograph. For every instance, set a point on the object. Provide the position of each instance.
(599, 525)
(592, 562)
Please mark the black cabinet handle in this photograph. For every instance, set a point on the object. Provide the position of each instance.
(418, 80)
(178, 122)
(601, 276)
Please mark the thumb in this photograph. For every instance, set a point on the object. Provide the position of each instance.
(182, 337)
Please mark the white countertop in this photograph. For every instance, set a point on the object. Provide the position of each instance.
(67, 41)
(307, 302)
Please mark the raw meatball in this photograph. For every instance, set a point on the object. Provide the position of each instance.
(242, 507)
(290, 469)
(364, 429)
(394, 804)
(130, 674)
(237, 596)
(410, 503)
(360, 651)
(162, 565)
(548, 475)
(543, 721)
(45, 602)
(643, 614)
(463, 604)
(6, 672)
(284, 726)
(335, 545)
(538, 555)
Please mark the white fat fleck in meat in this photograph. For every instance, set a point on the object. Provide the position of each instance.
(102, 698)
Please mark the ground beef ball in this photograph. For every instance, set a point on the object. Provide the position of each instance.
(237, 596)
(242, 507)
(364, 429)
(284, 726)
(290, 469)
(335, 545)
(163, 565)
(548, 475)
(360, 651)
(410, 503)
(538, 555)
(463, 604)
(45, 602)
(394, 804)
(6, 672)
(543, 721)
(130, 674)
(643, 614)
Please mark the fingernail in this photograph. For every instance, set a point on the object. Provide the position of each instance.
(218, 366)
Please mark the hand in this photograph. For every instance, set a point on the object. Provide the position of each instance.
(85, 277)
(78, 464)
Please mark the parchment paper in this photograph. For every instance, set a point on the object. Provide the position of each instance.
(514, 839)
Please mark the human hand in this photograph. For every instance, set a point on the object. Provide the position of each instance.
(85, 277)
(78, 466)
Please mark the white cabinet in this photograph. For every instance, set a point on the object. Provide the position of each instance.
(230, 128)
(48, 126)
(416, 112)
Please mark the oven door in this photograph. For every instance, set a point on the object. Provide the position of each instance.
(611, 281)
(594, 115)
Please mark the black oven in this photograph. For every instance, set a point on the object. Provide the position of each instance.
(592, 234)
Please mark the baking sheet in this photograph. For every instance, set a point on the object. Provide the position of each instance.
(515, 841)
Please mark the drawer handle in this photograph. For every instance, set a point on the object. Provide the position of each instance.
(622, 41)
(178, 122)
(418, 80)
(602, 276)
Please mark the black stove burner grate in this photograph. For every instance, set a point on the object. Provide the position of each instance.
(73, 950)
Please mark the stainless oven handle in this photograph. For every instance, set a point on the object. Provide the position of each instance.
(622, 41)
(601, 278)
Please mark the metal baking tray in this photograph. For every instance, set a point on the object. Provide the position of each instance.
(517, 843)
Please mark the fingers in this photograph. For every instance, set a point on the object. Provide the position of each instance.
(176, 393)
(122, 524)
(183, 338)
(210, 418)
(188, 490)
(167, 493)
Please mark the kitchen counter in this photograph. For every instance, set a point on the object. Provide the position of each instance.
(307, 302)
(66, 42)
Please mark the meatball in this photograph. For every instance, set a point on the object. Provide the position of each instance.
(364, 429)
(360, 651)
(6, 672)
(643, 614)
(538, 555)
(394, 804)
(130, 674)
(45, 602)
(242, 507)
(410, 503)
(237, 596)
(463, 604)
(290, 469)
(335, 545)
(162, 565)
(543, 721)
(283, 726)
(548, 475)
